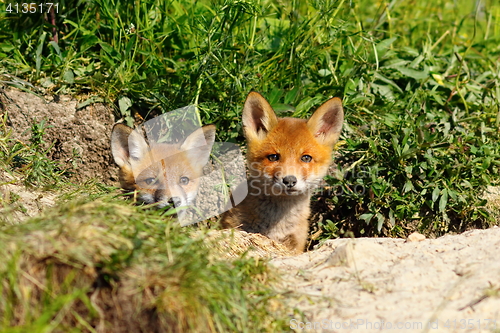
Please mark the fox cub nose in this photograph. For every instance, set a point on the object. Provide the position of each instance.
(290, 181)
(175, 201)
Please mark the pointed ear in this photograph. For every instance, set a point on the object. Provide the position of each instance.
(326, 122)
(137, 146)
(127, 143)
(258, 117)
(198, 145)
(119, 144)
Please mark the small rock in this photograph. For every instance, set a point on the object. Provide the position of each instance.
(357, 253)
(415, 237)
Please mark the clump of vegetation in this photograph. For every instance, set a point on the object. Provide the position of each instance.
(104, 265)
(410, 171)
(422, 126)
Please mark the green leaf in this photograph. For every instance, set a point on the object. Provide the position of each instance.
(384, 91)
(486, 163)
(366, 217)
(435, 194)
(91, 100)
(452, 194)
(69, 77)
(383, 46)
(324, 72)
(130, 121)
(291, 96)
(380, 221)
(108, 48)
(280, 108)
(124, 103)
(382, 78)
(7, 47)
(56, 47)
(274, 96)
(443, 200)
(39, 50)
(130, 45)
(408, 186)
(414, 74)
(110, 51)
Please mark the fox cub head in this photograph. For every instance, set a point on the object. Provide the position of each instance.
(289, 156)
(161, 173)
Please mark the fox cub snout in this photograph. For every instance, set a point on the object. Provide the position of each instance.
(287, 158)
(161, 173)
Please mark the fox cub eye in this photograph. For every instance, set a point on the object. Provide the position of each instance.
(273, 157)
(184, 180)
(306, 158)
(150, 181)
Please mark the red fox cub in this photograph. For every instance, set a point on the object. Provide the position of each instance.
(161, 173)
(287, 158)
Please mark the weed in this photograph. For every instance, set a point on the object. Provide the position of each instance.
(30, 160)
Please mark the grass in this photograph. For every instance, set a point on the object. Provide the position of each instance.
(419, 82)
(90, 265)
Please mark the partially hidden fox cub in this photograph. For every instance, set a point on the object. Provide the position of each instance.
(287, 158)
(162, 173)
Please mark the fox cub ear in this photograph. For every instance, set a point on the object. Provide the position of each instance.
(127, 143)
(198, 145)
(326, 122)
(258, 117)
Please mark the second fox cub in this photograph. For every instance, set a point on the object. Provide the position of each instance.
(287, 158)
(161, 173)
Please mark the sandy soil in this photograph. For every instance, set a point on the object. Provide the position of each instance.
(18, 202)
(448, 284)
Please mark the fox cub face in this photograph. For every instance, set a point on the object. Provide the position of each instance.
(289, 156)
(161, 173)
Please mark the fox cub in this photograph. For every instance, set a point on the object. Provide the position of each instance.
(161, 173)
(287, 158)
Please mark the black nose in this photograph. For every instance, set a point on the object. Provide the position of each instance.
(175, 201)
(290, 181)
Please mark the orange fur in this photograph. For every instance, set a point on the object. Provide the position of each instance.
(287, 158)
(161, 173)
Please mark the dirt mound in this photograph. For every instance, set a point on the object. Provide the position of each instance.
(234, 243)
(80, 135)
(448, 284)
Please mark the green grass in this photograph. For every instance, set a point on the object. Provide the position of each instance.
(98, 262)
(420, 82)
